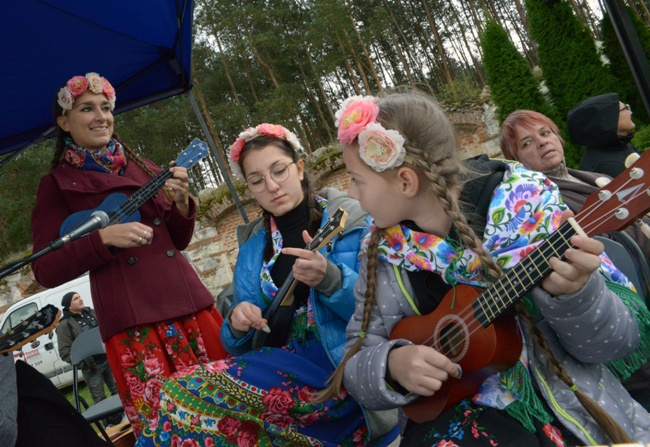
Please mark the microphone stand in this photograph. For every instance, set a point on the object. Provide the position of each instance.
(12, 267)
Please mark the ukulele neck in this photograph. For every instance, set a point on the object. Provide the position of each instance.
(522, 277)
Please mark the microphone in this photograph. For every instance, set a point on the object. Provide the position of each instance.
(98, 219)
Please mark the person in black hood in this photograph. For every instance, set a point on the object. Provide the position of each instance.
(604, 125)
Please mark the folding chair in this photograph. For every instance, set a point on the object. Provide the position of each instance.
(89, 343)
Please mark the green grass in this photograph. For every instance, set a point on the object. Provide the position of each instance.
(83, 392)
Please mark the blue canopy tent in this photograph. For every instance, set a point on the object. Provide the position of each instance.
(143, 47)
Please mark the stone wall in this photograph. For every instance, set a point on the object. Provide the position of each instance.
(213, 249)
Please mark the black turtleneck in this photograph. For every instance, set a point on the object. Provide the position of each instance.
(291, 226)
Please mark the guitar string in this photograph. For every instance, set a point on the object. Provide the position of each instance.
(590, 226)
(148, 190)
(539, 252)
(544, 251)
(129, 206)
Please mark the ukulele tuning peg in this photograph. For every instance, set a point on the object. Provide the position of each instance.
(629, 161)
(645, 228)
(601, 182)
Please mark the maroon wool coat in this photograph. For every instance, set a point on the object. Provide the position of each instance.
(130, 286)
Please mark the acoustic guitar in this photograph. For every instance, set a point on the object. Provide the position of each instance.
(280, 312)
(41, 322)
(121, 209)
(474, 329)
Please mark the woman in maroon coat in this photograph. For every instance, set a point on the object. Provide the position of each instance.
(155, 315)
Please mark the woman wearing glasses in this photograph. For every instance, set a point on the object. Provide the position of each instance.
(604, 125)
(263, 395)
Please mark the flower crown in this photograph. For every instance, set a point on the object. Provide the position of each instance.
(379, 148)
(79, 84)
(270, 130)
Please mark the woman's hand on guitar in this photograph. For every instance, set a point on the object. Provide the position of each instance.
(421, 369)
(310, 267)
(179, 186)
(246, 316)
(128, 235)
(571, 274)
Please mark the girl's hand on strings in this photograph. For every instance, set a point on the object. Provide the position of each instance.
(246, 316)
(571, 274)
(178, 185)
(310, 266)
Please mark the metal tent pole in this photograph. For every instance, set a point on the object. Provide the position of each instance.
(631, 46)
(213, 147)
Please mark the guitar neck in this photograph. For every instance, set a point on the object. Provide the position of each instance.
(136, 200)
(523, 277)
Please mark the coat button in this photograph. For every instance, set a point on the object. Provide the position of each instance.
(157, 221)
(132, 260)
(170, 253)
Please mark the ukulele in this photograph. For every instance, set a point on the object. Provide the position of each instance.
(473, 328)
(121, 209)
(41, 322)
(280, 312)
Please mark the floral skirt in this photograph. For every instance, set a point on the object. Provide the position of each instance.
(260, 398)
(142, 355)
(471, 425)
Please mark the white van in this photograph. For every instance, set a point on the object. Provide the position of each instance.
(43, 353)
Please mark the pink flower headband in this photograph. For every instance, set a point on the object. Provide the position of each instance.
(379, 148)
(79, 84)
(270, 130)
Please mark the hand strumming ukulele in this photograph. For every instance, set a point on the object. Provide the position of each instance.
(121, 209)
(476, 332)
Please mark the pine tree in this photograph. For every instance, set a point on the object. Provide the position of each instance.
(511, 82)
(567, 53)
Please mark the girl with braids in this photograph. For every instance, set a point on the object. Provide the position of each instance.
(263, 395)
(439, 222)
(155, 316)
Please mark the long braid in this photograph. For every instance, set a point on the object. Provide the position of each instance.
(335, 381)
(612, 429)
(431, 147)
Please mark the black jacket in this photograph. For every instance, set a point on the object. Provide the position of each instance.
(69, 328)
(594, 123)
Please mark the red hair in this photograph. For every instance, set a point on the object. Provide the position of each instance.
(527, 119)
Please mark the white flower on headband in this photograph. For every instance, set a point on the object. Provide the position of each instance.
(381, 149)
(271, 130)
(77, 85)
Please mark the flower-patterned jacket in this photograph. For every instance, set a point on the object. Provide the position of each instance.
(584, 329)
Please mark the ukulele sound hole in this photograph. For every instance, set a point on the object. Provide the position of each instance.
(451, 340)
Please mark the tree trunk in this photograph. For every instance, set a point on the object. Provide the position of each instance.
(364, 49)
(441, 48)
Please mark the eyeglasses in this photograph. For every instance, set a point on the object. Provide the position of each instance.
(625, 107)
(279, 173)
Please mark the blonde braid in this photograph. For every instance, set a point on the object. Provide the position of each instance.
(612, 429)
(335, 381)
(444, 177)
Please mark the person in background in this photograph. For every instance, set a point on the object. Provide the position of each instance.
(439, 223)
(534, 140)
(263, 395)
(155, 315)
(604, 125)
(96, 372)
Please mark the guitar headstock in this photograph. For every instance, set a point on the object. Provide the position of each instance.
(620, 202)
(41, 322)
(332, 227)
(197, 150)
